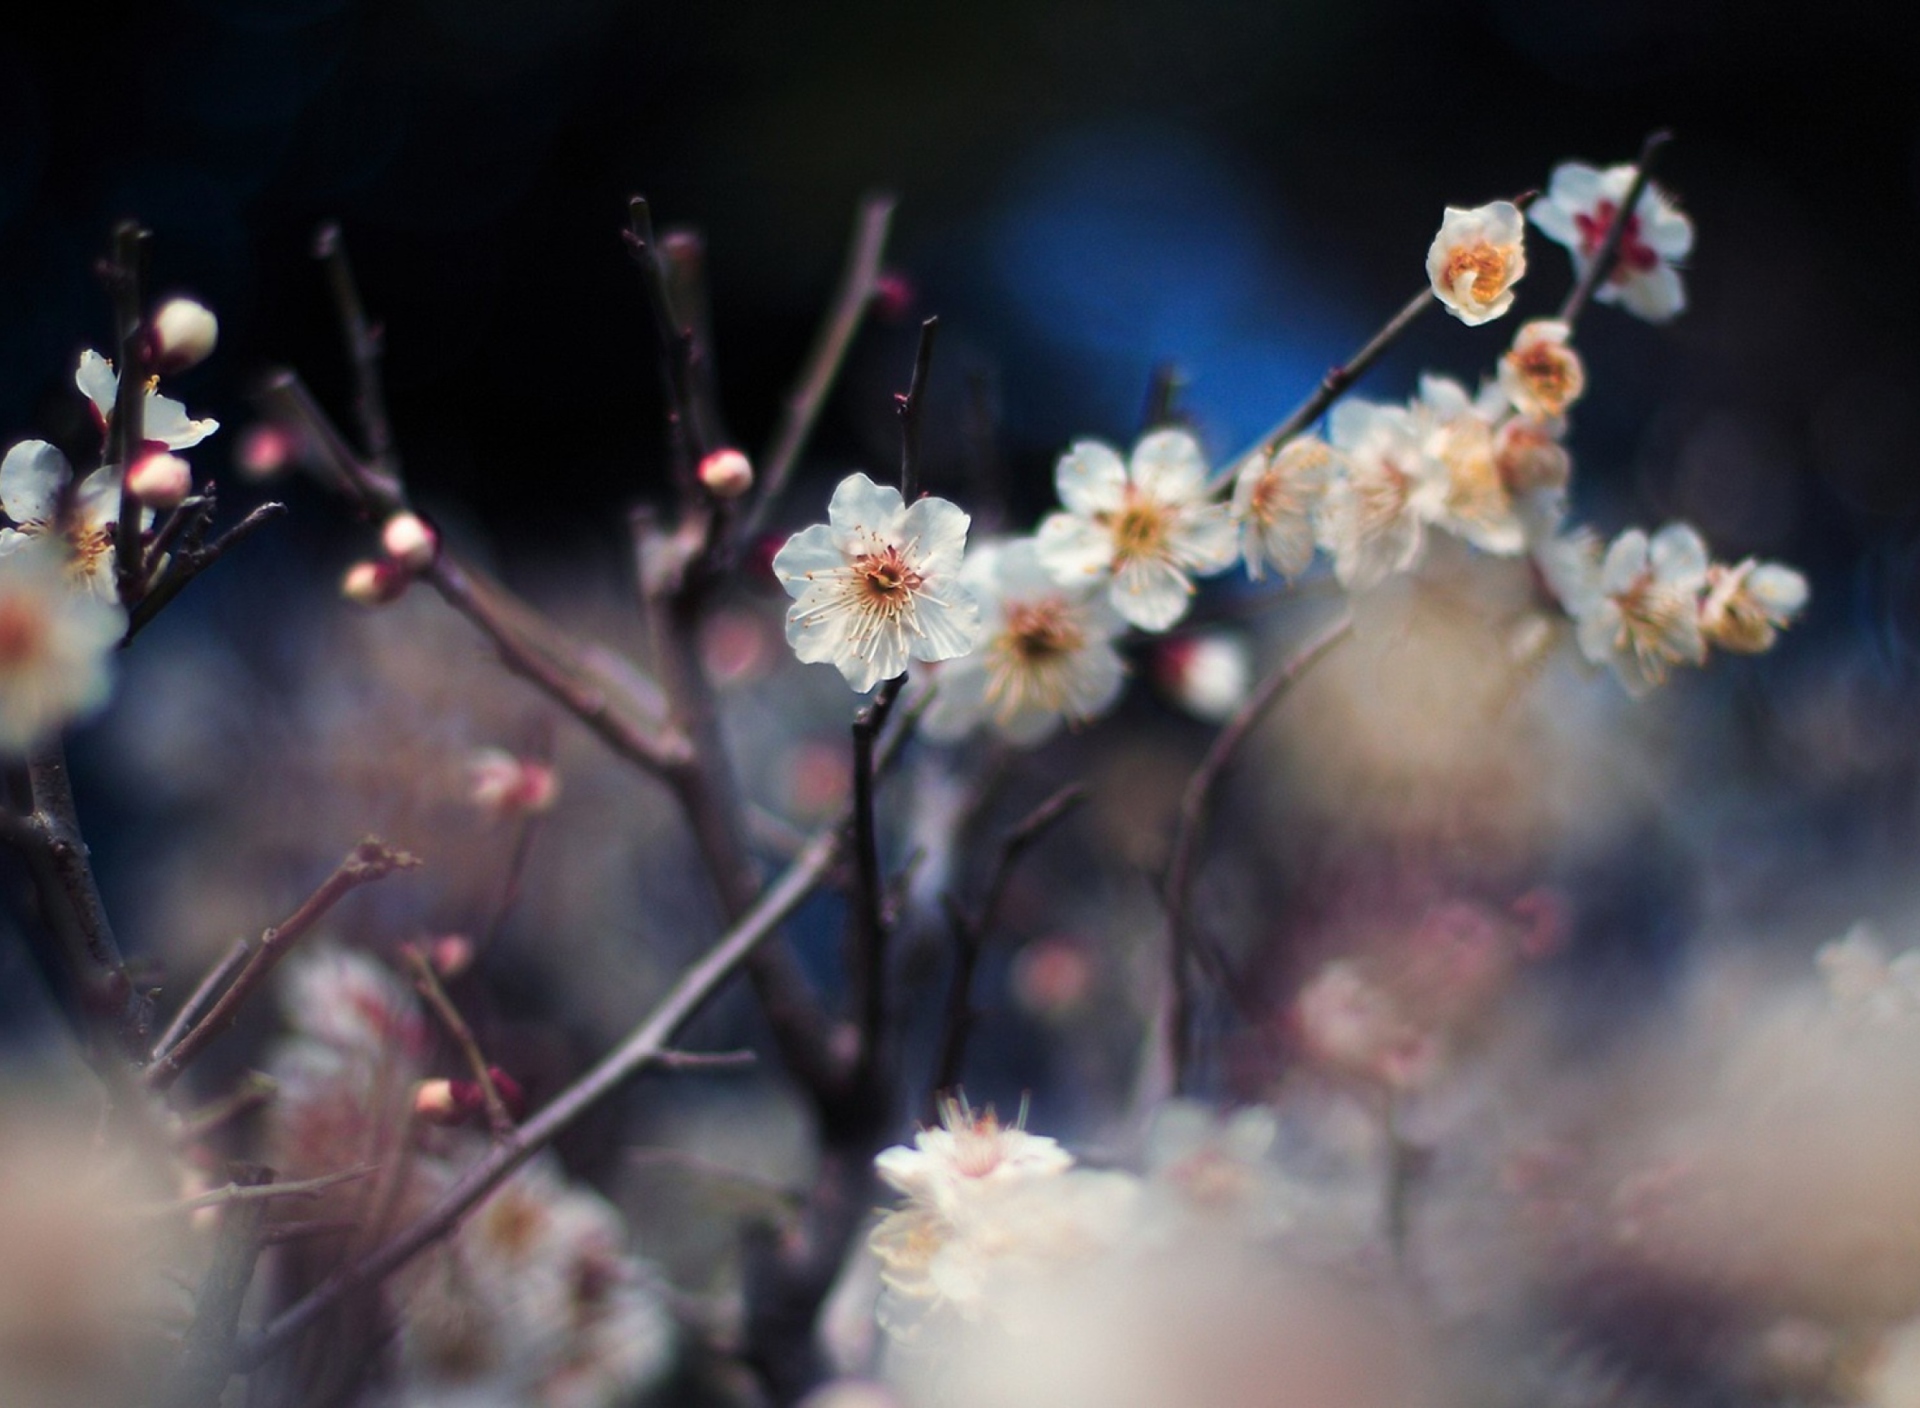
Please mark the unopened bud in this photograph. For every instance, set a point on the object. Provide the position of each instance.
(436, 1102)
(451, 955)
(1207, 674)
(727, 474)
(183, 333)
(160, 480)
(373, 583)
(409, 541)
(509, 786)
(264, 450)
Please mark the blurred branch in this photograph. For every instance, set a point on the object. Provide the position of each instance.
(642, 1048)
(970, 932)
(241, 1190)
(192, 560)
(678, 351)
(364, 353)
(1178, 892)
(1163, 389)
(829, 350)
(210, 987)
(867, 951)
(1609, 251)
(912, 408)
(369, 861)
(427, 983)
(206, 1360)
(126, 435)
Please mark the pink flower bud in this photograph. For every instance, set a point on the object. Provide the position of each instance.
(727, 474)
(451, 955)
(436, 1102)
(409, 542)
(893, 295)
(373, 583)
(182, 334)
(160, 480)
(264, 450)
(508, 786)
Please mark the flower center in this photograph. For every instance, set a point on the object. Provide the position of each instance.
(1649, 614)
(23, 635)
(1483, 263)
(886, 580)
(1041, 631)
(1139, 530)
(1636, 256)
(1548, 373)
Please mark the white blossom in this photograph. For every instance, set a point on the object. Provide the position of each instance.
(56, 647)
(1641, 613)
(1541, 373)
(878, 584)
(33, 477)
(966, 1151)
(1146, 526)
(1458, 434)
(1476, 259)
(1373, 519)
(1045, 654)
(1578, 209)
(1275, 497)
(1748, 603)
(164, 421)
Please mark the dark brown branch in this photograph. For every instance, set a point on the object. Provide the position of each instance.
(243, 1191)
(677, 349)
(1178, 893)
(642, 1048)
(126, 435)
(912, 409)
(829, 350)
(867, 929)
(1163, 390)
(255, 1091)
(1605, 256)
(364, 351)
(201, 998)
(207, 1355)
(971, 931)
(427, 983)
(369, 861)
(192, 561)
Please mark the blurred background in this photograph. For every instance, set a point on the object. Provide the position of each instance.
(1086, 190)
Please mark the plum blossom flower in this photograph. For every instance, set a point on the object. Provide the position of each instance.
(165, 421)
(878, 584)
(1541, 374)
(506, 785)
(56, 647)
(1274, 498)
(33, 478)
(1458, 433)
(1146, 526)
(1640, 613)
(1747, 604)
(1373, 519)
(1476, 259)
(1580, 206)
(965, 1152)
(1530, 456)
(1045, 655)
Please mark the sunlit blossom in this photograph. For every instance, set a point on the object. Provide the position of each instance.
(1045, 655)
(1748, 603)
(56, 647)
(1146, 526)
(1476, 259)
(1274, 500)
(1373, 519)
(1577, 210)
(878, 584)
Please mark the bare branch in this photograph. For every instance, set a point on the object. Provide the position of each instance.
(202, 996)
(369, 861)
(867, 928)
(206, 1356)
(194, 560)
(829, 350)
(1609, 251)
(243, 1191)
(1178, 893)
(126, 435)
(364, 352)
(427, 983)
(912, 408)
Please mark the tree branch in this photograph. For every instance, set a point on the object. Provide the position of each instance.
(126, 436)
(427, 983)
(912, 408)
(206, 1357)
(364, 352)
(369, 861)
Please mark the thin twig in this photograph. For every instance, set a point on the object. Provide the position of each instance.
(280, 1233)
(1601, 267)
(427, 983)
(194, 560)
(1178, 893)
(970, 932)
(254, 1092)
(126, 436)
(705, 1060)
(201, 998)
(867, 930)
(364, 352)
(206, 1357)
(1163, 390)
(242, 1191)
(677, 349)
(641, 1049)
(912, 409)
(369, 861)
(829, 350)
(510, 887)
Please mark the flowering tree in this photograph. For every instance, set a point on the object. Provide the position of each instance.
(395, 1225)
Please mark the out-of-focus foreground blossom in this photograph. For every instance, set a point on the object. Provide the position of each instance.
(56, 647)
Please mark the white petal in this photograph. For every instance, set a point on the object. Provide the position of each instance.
(1626, 559)
(1658, 296)
(165, 420)
(861, 510)
(1168, 465)
(808, 553)
(959, 701)
(97, 381)
(1575, 185)
(949, 627)
(1150, 593)
(1075, 550)
(31, 478)
(1091, 478)
(1679, 557)
(937, 533)
(1555, 221)
(1781, 590)
(1202, 540)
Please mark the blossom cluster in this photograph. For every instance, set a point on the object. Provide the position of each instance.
(1030, 628)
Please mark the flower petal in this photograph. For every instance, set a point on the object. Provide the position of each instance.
(861, 510)
(809, 553)
(1151, 593)
(31, 478)
(97, 382)
(1091, 478)
(1074, 550)
(1169, 465)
